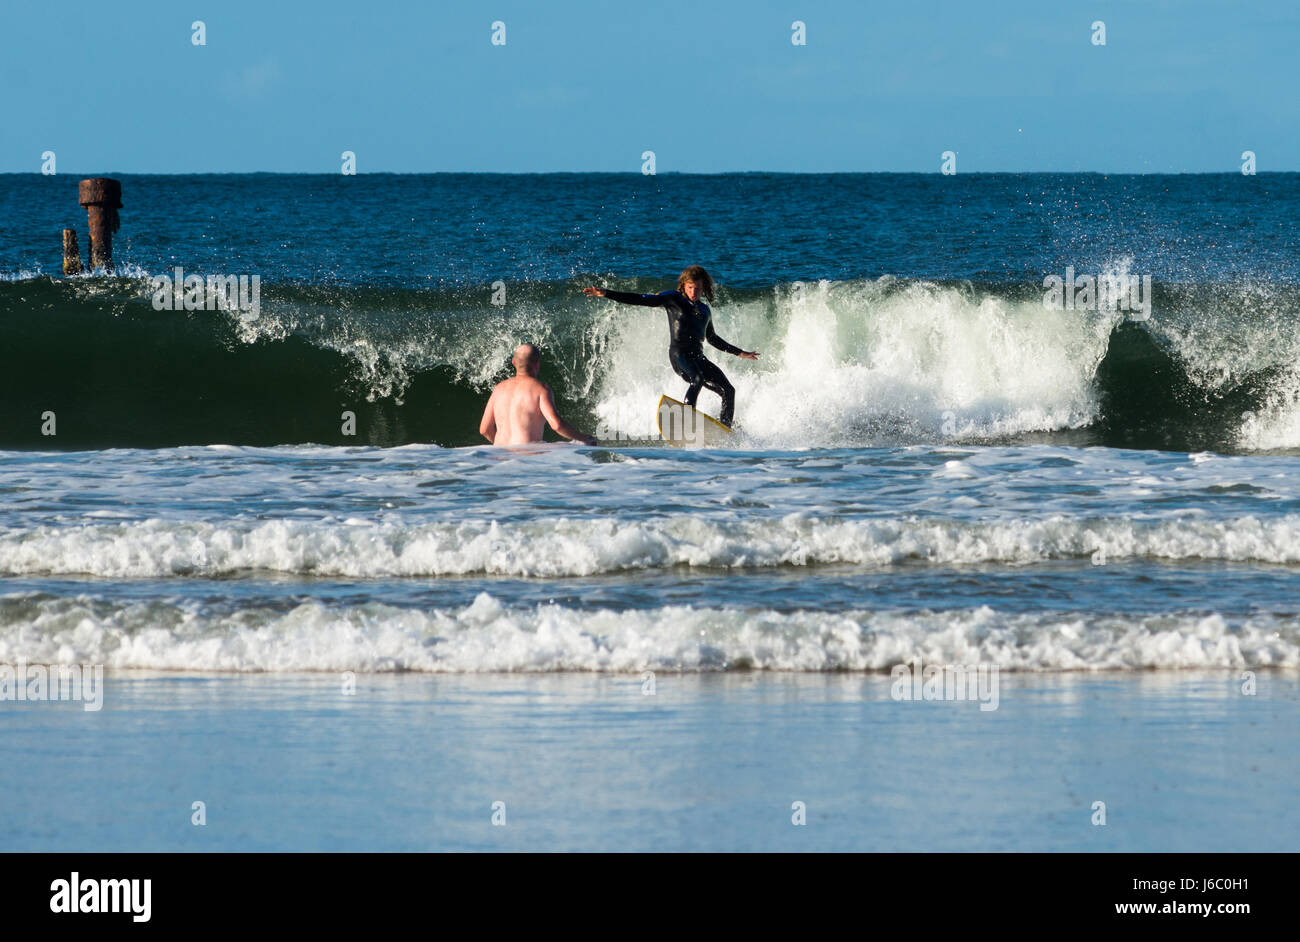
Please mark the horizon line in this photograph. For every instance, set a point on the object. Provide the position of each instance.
(664, 173)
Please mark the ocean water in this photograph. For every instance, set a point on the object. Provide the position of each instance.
(419, 558)
(710, 762)
(890, 310)
(931, 465)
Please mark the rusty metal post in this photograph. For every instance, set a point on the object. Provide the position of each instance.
(102, 198)
(71, 253)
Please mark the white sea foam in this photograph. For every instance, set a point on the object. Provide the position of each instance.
(566, 546)
(487, 636)
(870, 361)
(1276, 424)
(22, 274)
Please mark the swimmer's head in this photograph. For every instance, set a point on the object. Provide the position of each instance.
(700, 279)
(526, 360)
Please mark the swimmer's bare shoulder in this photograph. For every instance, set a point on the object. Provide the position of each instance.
(546, 402)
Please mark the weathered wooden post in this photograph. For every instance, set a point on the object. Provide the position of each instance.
(102, 198)
(71, 253)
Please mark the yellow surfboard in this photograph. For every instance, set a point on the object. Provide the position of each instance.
(687, 427)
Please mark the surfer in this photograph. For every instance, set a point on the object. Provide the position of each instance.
(690, 323)
(517, 406)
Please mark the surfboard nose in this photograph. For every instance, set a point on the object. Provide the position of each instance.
(684, 426)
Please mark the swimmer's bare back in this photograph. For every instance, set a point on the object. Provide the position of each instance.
(516, 411)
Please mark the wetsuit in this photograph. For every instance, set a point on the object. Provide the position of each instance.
(689, 325)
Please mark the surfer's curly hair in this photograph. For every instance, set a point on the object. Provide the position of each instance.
(698, 275)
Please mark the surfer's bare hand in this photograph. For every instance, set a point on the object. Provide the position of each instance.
(594, 292)
(748, 355)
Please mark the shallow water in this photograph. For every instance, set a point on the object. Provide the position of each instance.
(1181, 760)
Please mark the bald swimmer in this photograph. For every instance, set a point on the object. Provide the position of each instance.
(514, 413)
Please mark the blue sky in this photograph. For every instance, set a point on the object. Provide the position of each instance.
(709, 87)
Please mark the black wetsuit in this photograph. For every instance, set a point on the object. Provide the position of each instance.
(689, 325)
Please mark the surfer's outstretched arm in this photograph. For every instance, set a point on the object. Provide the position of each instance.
(711, 336)
(629, 297)
(725, 347)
